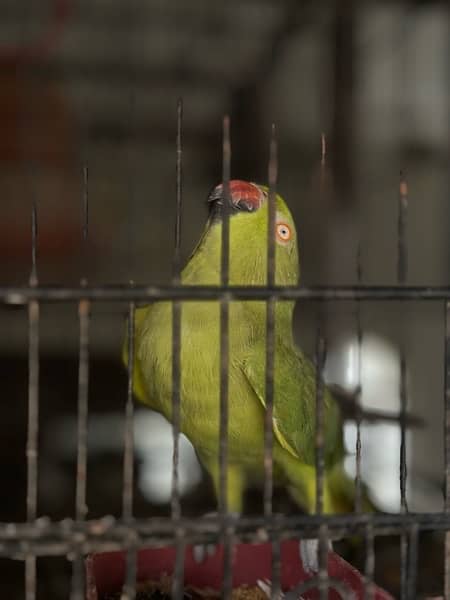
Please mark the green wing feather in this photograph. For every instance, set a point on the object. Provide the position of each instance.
(139, 387)
(295, 402)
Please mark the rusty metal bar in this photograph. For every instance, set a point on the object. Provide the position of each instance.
(85, 202)
(77, 590)
(270, 356)
(323, 581)
(77, 585)
(320, 352)
(224, 362)
(403, 473)
(54, 538)
(130, 545)
(402, 274)
(33, 408)
(276, 591)
(369, 570)
(413, 551)
(359, 339)
(224, 318)
(402, 245)
(21, 295)
(178, 195)
(447, 445)
(320, 410)
(80, 493)
(404, 575)
(322, 548)
(177, 584)
(33, 281)
(270, 328)
(369, 537)
(178, 572)
(129, 590)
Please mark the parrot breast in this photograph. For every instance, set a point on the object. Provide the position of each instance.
(200, 377)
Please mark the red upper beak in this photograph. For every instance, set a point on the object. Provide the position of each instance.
(245, 196)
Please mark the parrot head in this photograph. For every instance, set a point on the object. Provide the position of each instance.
(248, 230)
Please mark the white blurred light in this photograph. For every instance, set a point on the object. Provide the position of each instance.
(376, 366)
(154, 448)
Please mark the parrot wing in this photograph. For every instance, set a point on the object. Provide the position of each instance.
(138, 378)
(294, 404)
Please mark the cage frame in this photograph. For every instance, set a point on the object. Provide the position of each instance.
(80, 536)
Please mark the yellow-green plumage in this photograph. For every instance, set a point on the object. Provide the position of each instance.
(294, 374)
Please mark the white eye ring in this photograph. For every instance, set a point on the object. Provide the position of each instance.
(283, 232)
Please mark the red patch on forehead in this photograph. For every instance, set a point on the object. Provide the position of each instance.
(246, 195)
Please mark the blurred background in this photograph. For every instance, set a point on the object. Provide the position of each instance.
(96, 83)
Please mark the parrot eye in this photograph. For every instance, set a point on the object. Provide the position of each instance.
(283, 232)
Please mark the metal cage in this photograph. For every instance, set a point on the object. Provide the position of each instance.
(76, 538)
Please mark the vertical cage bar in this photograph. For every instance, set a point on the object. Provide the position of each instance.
(404, 575)
(412, 562)
(33, 408)
(447, 387)
(403, 504)
(80, 492)
(34, 233)
(320, 363)
(85, 202)
(83, 374)
(270, 357)
(403, 404)
(447, 445)
(320, 461)
(322, 547)
(402, 251)
(178, 194)
(77, 592)
(369, 570)
(178, 572)
(359, 341)
(270, 327)
(369, 537)
(129, 591)
(224, 359)
(402, 274)
(177, 584)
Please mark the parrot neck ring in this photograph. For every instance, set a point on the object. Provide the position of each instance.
(244, 197)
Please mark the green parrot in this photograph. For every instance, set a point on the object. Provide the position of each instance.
(294, 373)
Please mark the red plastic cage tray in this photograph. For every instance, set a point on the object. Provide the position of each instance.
(251, 562)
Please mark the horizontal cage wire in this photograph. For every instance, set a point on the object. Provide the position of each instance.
(90, 543)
